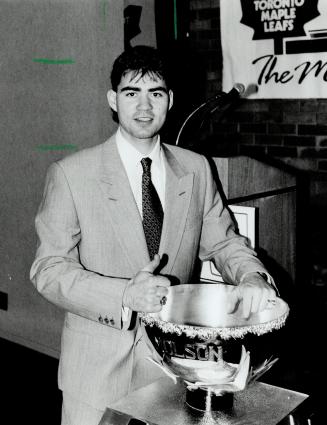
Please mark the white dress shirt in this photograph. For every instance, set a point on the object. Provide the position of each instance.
(131, 159)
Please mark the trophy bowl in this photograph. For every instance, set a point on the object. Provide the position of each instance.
(196, 339)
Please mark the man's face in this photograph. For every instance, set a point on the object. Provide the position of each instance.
(142, 104)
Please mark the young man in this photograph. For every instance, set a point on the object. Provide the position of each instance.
(106, 214)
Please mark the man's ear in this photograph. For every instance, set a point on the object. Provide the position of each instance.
(171, 99)
(112, 99)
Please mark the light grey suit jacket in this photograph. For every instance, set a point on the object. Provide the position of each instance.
(91, 242)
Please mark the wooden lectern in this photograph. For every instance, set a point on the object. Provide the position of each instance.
(273, 192)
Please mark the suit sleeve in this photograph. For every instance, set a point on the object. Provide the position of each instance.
(229, 251)
(57, 272)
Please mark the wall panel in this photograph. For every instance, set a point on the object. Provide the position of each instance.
(55, 64)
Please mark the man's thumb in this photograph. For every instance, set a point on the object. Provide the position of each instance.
(152, 265)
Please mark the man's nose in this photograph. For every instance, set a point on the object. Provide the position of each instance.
(144, 103)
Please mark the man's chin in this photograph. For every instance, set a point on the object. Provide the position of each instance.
(139, 132)
(145, 134)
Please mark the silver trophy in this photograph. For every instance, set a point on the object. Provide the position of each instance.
(194, 338)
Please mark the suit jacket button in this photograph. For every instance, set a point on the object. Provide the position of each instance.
(112, 322)
(100, 319)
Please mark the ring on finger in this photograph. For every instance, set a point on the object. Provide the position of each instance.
(163, 300)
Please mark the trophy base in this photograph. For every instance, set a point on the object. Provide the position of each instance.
(207, 401)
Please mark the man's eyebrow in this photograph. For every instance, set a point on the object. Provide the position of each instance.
(159, 88)
(130, 88)
(137, 89)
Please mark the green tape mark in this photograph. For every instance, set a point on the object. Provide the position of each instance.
(175, 20)
(55, 147)
(54, 61)
(104, 13)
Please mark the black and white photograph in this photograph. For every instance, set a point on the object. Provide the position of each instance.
(163, 214)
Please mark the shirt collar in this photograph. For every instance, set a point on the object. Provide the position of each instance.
(131, 157)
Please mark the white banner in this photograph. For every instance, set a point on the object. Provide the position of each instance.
(277, 47)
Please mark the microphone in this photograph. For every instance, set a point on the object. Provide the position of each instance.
(220, 100)
(239, 87)
(237, 90)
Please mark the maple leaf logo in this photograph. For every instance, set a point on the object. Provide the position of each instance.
(278, 19)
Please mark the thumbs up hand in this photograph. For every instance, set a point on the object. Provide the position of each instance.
(145, 291)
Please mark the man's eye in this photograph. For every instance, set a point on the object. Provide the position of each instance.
(130, 94)
(157, 94)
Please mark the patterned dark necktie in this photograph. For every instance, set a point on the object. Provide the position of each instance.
(151, 209)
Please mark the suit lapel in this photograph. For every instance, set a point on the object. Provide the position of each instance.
(179, 187)
(124, 215)
(123, 211)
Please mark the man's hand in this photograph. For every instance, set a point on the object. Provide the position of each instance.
(254, 292)
(146, 290)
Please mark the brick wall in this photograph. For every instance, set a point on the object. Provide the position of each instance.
(295, 131)
(205, 40)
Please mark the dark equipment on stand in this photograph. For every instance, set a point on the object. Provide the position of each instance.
(191, 130)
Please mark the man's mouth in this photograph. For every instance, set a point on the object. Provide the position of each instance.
(144, 119)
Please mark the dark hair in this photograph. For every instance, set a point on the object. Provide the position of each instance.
(142, 60)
